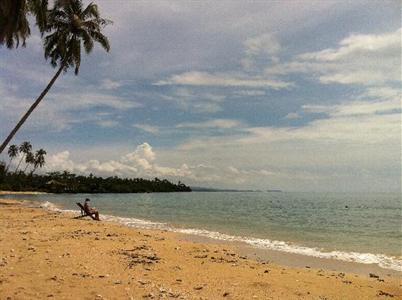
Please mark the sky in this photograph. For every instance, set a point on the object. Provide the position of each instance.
(291, 95)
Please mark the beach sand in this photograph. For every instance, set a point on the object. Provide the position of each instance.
(50, 255)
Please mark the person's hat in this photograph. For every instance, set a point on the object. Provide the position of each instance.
(87, 199)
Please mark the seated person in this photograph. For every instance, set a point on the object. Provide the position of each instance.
(91, 210)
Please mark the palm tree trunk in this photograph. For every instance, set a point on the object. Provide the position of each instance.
(33, 171)
(30, 110)
(23, 155)
(9, 164)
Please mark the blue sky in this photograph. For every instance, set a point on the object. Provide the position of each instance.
(296, 95)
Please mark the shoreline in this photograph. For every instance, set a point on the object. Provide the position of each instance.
(294, 260)
(282, 257)
(4, 193)
(50, 254)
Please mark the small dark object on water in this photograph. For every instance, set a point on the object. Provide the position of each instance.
(346, 206)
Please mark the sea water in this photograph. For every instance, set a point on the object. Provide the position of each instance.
(360, 227)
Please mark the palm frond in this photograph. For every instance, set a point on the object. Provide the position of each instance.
(101, 39)
(88, 42)
(90, 11)
(76, 54)
(69, 25)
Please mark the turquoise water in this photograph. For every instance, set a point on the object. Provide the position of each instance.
(358, 227)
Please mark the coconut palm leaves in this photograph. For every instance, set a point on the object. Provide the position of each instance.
(14, 25)
(24, 148)
(12, 153)
(71, 27)
(36, 160)
(29, 160)
(68, 27)
(39, 160)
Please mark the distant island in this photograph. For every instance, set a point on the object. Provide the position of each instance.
(207, 189)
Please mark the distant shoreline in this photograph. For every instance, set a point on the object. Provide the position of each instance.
(205, 189)
(21, 193)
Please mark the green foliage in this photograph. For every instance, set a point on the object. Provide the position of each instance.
(69, 26)
(14, 25)
(65, 182)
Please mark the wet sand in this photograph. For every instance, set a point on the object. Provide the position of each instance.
(51, 255)
(299, 260)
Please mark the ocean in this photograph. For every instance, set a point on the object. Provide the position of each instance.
(359, 227)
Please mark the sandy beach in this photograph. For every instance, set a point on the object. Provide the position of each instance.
(50, 255)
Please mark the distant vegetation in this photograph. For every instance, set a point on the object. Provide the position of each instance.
(32, 160)
(23, 178)
(65, 182)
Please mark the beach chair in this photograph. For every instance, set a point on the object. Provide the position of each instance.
(85, 212)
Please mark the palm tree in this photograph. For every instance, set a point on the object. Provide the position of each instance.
(12, 153)
(24, 148)
(39, 160)
(29, 160)
(69, 26)
(14, 25)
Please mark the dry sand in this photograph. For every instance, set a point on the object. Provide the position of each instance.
(51, 255)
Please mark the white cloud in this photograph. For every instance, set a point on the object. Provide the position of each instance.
(364, 59)
(261, 48)
(381, 93)
(85, 100)
(136, 163)
(58, 110)
(139, 163)
(107, 123)
(188, 100)
(357, 147)
(142, 163)
(147, 128)
(265, 43)
(216, 123)
(208, 79)
(143, 151)
(357, 108)
(109, 84)
(359, 45)
(250, 93)
(292, 116)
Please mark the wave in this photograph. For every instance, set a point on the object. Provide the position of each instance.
(382, 260)
(49, 205)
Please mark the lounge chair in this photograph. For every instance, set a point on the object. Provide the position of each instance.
(85, 212)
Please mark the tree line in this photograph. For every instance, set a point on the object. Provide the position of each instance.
(66, 182)
(25, 179)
